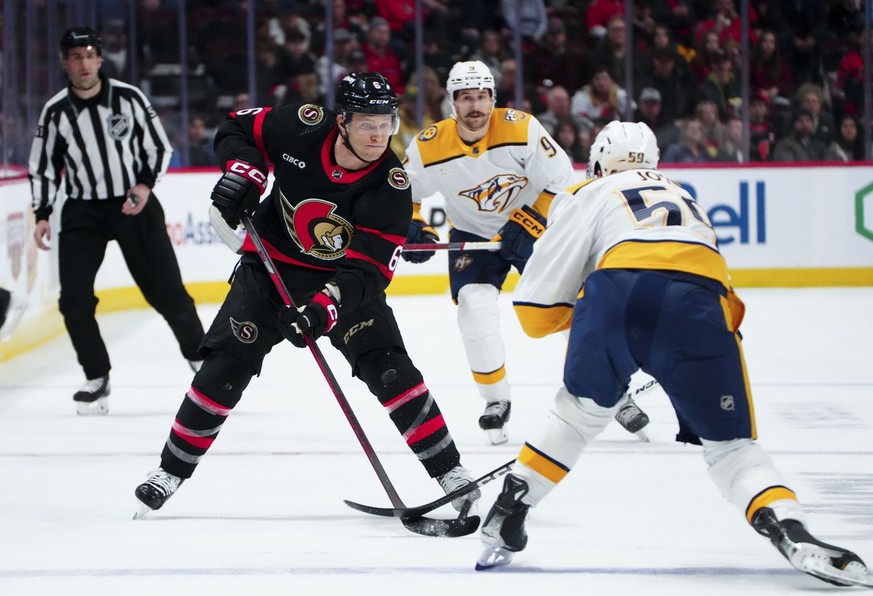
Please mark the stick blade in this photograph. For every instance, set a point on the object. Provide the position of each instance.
(442, 528)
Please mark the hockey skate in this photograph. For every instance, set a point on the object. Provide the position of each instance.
(828, 563)
(93, 397)
(454, 479)
(632, 418)
(503, 532)
(155, 491)
(494, 419)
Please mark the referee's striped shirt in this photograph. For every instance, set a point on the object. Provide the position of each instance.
(107, 144)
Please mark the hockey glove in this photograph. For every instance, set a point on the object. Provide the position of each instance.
(238, 191)
(519, 233)
(319, 316)
(288, 326)
(420, 232)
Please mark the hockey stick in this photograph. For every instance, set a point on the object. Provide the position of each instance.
(403, 512)
(233, 241)
(461, 526)
(452, 246)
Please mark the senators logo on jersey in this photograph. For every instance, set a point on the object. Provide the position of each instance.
(398, 179)
(496, 194)
(310, 114)
(316, 229)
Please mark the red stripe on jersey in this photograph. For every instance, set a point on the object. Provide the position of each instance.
(207, 404)
(404, 398)
(258, 131)
(190, 437)
(350, 254)
(249, 246)
(392, 238)
(337, 173)
(425, 430)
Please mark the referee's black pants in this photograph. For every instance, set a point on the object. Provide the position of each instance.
(86, 228)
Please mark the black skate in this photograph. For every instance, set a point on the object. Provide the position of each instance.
(493, 419)
(155, 491)
(93, 397)
(503, 532)
(828, 563)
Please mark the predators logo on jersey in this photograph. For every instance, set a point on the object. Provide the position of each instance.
(316, 229)
(497, 193)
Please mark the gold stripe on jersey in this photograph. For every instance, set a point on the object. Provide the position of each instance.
(490, 378)
(668, 255)
(767, 497)
(539, 320)
(543, 203)
(507, 127)
(542, 464)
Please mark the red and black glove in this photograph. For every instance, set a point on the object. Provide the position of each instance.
(316, 318)
(238, 191)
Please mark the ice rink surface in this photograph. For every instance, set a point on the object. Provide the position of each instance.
(264, 513)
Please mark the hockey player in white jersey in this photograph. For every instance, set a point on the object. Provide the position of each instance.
(498, 170)
(657, 295)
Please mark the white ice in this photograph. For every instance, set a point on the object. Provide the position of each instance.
(264, 514)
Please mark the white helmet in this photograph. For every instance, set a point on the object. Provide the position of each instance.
(469, 75)
(623, 146)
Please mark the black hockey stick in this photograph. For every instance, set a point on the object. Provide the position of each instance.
(405, 512)
(461, 526)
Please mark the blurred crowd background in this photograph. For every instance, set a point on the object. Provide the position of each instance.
(717, 80)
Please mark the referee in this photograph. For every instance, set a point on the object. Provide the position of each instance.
(105, 140)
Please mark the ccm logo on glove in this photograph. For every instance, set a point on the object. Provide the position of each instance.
(247, 170)
(319, 316)
(529, 222)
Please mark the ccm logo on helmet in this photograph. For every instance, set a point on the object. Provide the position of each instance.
(294, 161)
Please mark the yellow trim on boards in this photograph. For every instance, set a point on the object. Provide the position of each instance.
(40, 329)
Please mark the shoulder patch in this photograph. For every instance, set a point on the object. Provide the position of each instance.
(428, 133)
(515, 116)
(398, 179)
(310, 114)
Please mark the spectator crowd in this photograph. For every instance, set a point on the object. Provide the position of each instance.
(805, 67)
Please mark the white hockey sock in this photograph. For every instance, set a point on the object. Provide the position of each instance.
(479, 324)
(571, 425)
(747, 478)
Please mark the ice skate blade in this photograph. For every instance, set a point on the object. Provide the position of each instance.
(855, 574)
(98, 407)
(497, 436)
(143, 511)
(494, 557)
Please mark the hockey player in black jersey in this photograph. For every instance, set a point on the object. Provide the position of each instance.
(334, 223)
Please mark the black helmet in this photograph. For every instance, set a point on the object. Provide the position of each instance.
(366, 93)
(79, 37)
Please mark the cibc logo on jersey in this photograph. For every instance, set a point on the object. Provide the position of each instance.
(316, 229)
(497, 193)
